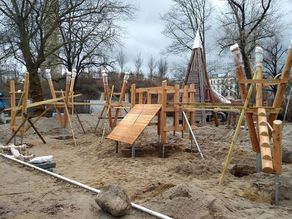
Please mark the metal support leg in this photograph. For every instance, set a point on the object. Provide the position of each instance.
(133, 151)
(191, 146)
(277, 190)
(258, 163)
(117, 147)
(63, 133)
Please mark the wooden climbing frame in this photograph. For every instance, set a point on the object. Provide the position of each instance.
(172, 100)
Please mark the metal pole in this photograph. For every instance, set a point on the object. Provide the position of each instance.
(277, 189)
(193, 135)
(117, 147)
(133, 151)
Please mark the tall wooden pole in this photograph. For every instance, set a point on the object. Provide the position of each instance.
(12, 104)
(53, 94)
(24, 102)
(243, 91)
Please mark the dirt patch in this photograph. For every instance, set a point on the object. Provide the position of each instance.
(242, 170)
(148, 178)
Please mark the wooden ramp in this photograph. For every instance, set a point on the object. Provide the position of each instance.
(129, 129)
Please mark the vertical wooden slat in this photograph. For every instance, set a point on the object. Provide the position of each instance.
(176, 109)
(13, 104)
(243, 92)
(163, 127)
(133, 95)
(277, 146)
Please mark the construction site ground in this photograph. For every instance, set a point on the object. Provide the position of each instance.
(181, 185)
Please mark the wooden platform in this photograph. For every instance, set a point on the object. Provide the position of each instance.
(129, 129)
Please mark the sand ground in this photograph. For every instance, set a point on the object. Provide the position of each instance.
(181, 185)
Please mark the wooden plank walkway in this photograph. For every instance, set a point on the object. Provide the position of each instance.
(129, 129)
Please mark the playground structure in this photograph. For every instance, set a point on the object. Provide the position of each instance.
(146, 103)
(112, 110)
(166, 100)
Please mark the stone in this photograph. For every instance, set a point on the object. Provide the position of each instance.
(113, 200)
(181, 190)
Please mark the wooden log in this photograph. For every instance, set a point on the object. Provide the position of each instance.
(140, 96)
(149, 97)
(277, 147)
(54, 96)
(192, 100)
(66, 99)
(243, 91)
(163, 126)
(267, 166)
(24, 102)
(133, 95)
(262, 112)
(12, 104)
(185, 100)
(259, 69)
(176, 109)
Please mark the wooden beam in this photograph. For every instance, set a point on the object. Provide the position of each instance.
(277, 146)
(243, 91)
(12, 104)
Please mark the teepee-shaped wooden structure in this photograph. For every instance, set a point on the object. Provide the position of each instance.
(197, 74)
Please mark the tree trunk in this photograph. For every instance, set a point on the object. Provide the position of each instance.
(36, 92)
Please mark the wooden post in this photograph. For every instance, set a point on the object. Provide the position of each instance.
(281, 87)
(71, 90)
(133, 95)
(259, 69)
(140, 95)
(53, 94)
(24, 102)
(13, 104)
(243, 91)
(236, 133)
(184, 101)
(67, 91)
(163, 127)
(176, 109)
(277, 147)
(192, 100)
(149, 97)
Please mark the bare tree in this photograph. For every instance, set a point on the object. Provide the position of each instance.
(162, 68)
(152, 64)
(87, 40)
(247, 22)
(121, 60)
(138, 62)
(27, 27)
(26, 33)
(274, 59)
(182, 21)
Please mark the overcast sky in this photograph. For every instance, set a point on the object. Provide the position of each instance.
(143, 34)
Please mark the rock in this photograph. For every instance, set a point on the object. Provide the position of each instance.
(286, 155)
(181, 190)
(113, 200)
